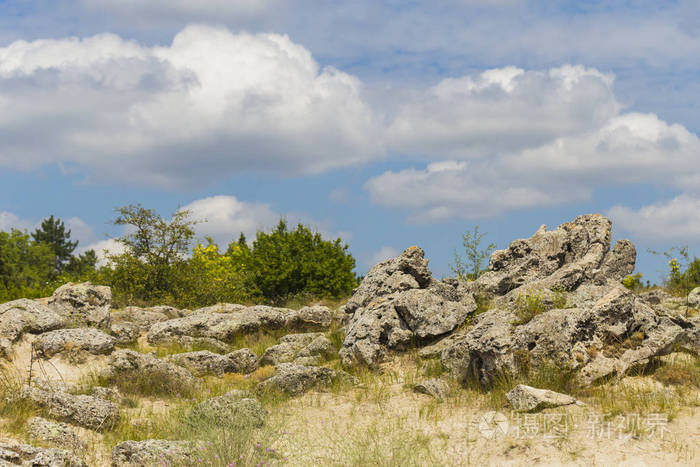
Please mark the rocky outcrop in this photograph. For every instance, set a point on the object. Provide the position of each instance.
(59, 434)
(600, 328)
(82, 410)
(528, 399)
(153, 452)
(126, 362)
(23, 315)
(203, 362)
(296, 379)
(302, 349)
(27, 455)
(399, 303)
(83, 304)
(88, 340)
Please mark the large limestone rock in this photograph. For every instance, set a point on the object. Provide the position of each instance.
(144, 318)
(88, 340)
(27, 455)
(561, 259)
(399, 303)
(153, 452)
(694, 298)
(433, 387)
(528, 399)
(226, 326)
(607, 338)
(83, 304)
(23, 315)
(203, 362)
(126, 362)
(297, 379)
(82, 410)
(221, 326)
(304, 349)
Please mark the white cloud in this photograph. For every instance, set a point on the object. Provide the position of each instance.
(210, 104)
(553, 144)
(10, 221)
(502, 109)
(676, 220)
(226, 217)
(104, 248)
(383, 253)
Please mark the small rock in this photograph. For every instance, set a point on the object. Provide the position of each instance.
(310, 318)
(434, 387)
(528, 399)
(307, 348)
(89, 340)
(82, 410)
(60, 434)
(83, 304)
(243, 361)
(203, 362)
(125, 332)
(153, 452)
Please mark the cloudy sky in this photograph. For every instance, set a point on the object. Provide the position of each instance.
(387, 123)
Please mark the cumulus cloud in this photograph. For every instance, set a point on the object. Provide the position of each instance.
(502, 109)
(103, 249)
(10, 221)
(79, 229)
(554, 144)
(666, 221)
(210, 104)
(224, 217)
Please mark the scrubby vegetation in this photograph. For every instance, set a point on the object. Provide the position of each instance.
(162, 264)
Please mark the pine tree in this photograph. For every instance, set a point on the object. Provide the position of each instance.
(54, 234)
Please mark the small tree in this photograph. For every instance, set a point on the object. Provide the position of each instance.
(153, 265)
(26, 267)
(53, 233)
(472, 265)
(287, 262)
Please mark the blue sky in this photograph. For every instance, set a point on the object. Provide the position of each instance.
(388, 123)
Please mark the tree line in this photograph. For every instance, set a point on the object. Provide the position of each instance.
(162, 263)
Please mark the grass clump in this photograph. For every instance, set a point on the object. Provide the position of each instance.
(527, 306)
(151, 382)
(15, 409)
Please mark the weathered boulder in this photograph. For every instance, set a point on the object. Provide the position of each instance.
(304, 349)
(616, 333)
(561, 259)
(88, 340)
(433, 387)
(693, 299)
(82, 410)
(230, 412)
(125, 362)
(221, 326)
(195, 343)
(153, 452)
(221, 308)
(297, 379)
(125, 332)
(83, 304)
(528, 399)
(203, 362)
(27, 455)
(399, 303)
(23, 315)
(60, 434)
(108, 394)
